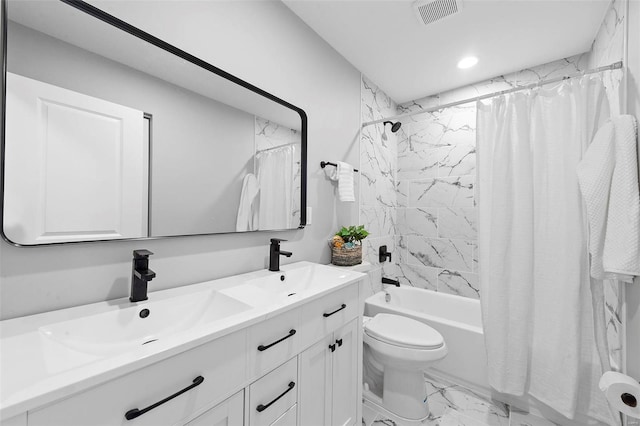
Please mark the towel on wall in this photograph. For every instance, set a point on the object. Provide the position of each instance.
(608, 178)
(343, 173)
(247, 219)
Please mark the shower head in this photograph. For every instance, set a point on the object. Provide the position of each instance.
(394, 126)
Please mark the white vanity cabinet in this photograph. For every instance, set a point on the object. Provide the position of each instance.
(297, 367)
(328, 392)
(221, 363)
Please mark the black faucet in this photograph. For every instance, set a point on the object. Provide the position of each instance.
(140, 275)
(386, 280)
(275, 253)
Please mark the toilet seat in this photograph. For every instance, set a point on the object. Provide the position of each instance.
(403, 332)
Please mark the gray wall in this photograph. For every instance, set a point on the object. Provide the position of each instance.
(295, 65)
(201, 148)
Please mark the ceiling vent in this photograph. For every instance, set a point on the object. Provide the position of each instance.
(429, 11)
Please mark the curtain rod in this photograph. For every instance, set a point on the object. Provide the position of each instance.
(276, 147)
(614, 66)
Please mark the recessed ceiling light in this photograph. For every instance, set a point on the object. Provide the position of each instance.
(467, 62)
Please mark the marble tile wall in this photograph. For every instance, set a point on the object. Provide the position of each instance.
(436, 215)
(378, 167)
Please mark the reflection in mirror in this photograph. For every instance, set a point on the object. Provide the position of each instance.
(108, 136)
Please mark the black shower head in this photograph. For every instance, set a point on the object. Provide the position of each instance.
(394, 126)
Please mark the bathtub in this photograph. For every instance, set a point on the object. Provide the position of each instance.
(459, 321)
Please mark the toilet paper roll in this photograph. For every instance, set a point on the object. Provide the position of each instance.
(622, 392)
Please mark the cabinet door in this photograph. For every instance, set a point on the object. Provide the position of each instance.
(314, 397)
(227, 413)
(344, 375)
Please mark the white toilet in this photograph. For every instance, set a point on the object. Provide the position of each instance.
(402, 348)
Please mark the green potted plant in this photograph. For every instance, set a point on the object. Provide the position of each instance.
(346, 245)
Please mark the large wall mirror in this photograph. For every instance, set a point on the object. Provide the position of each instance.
(111, 133)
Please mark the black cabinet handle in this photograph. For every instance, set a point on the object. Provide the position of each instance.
(264, 348)
(332, 347)
(261, 407)
(339, 342)
(337, 310)
(132, 414)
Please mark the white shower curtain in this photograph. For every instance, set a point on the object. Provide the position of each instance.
(275, 170)
(533, 259)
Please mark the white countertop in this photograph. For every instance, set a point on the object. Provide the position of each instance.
(35, 370)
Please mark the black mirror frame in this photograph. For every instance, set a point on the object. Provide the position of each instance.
(136, 32)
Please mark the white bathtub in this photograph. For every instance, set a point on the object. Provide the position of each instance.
(459, 321)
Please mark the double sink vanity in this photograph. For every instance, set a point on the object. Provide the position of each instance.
(262, 348)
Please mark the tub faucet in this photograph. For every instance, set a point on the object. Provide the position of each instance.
(275, 253)
(385, 280)
(140, 275)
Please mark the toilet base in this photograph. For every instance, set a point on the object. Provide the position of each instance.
(370, 400)
(405, 392)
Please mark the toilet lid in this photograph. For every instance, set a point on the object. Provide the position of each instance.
(402, 331)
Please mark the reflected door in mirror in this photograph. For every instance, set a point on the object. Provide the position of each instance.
(76, 168)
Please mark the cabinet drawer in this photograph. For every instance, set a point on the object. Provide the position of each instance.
(221, 363)
(288, 418)
(327, 314)
(272, 342)
(273, 394)
(227, 413)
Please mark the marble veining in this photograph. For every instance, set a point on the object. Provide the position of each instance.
(608, 45)
(442, 395)
(455, 405)
(269, 134)
(458, 222)
(442, 192)
(379, 220)
(440, 252)
(459, 283)
(418, 221)
(418, 276)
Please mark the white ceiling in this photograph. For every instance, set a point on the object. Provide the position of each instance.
(409, 60)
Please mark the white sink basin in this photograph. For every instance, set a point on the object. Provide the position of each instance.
(117, 331)
(277, 287)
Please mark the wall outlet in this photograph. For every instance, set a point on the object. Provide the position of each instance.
(309, 215)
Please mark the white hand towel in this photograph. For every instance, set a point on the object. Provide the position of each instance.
(343, 173)
(608, 178)
(247, 219)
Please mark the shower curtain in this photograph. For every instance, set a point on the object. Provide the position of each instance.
(533, 259)
(275, 171)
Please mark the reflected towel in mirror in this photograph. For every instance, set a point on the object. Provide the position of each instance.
(247, 210)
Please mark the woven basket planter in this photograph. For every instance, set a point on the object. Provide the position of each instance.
(346, 256)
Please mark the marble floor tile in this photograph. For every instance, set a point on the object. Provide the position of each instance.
(467, 403)
(454, 418)
(519, 418)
